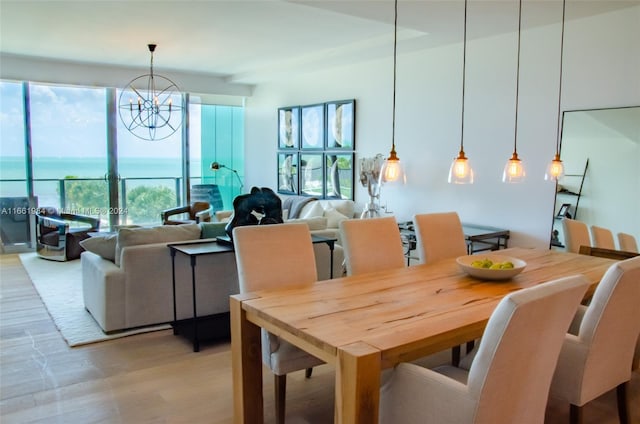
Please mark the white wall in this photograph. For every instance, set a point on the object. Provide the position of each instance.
(601, 68)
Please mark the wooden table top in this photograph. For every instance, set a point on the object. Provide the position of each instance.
(405, 313)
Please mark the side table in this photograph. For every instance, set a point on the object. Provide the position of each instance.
(193, 250)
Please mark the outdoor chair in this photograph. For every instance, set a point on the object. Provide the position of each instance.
(196, 212)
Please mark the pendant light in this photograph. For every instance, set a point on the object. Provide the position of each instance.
(461, 171)
(151, 106)
(392, 171)
(514, 169)
(555, 169)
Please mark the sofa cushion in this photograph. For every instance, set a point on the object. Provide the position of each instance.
(102, 245)
(311, 210)
(162, 234)
(212, 229)
(344, 206)
(334, 218)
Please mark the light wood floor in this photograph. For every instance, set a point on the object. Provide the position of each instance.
(154, 377)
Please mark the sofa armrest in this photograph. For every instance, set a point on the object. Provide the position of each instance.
(103, 286)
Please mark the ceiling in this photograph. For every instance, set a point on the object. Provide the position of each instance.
(251, 41)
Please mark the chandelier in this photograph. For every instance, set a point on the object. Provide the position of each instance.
(151, 105)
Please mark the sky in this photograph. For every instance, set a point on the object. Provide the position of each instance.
(71, 122)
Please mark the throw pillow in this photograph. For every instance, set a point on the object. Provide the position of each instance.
(344, 206)
(334, 218)
(210, 230)
(102, 245)
(160, 234)
(311, 210)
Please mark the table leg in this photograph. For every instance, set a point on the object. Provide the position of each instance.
(357, 390)
(173, 279)
(246, 366)
(196, 341)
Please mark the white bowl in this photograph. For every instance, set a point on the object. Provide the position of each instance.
(464, 262)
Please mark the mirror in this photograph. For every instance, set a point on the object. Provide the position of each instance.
(600, 149)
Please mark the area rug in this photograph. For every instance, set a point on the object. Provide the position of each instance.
(59, 285)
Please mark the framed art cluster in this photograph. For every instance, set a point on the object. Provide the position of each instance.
(316, 148)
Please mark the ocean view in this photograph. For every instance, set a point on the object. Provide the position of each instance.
(55, 168)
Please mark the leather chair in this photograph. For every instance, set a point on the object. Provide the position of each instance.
(576, 234)
(602, 237)
(439, 236)
(57, 239)
(270, 256)
(371, 245)
(598, 350)
(196, 212)
(627, 242)
(506, 379)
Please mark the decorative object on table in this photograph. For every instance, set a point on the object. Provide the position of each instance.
(555, 169)
(491, 267)
(392, 170)
(151, 105)
(514, 171)
(58, 234)
(216, 166)
(370, 178)
(461, 171)
(312, 127)
(341, 125)
(289, 127)
(259, 207)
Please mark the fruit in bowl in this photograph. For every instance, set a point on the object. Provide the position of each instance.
(491, 267)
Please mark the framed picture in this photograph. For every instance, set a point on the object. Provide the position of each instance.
(287, 173)
(564, 211)
(288, 127)
(341, 124)
(312, 127)
(339, 175)
(311, 174)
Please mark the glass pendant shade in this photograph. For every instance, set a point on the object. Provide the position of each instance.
(514, 170)
(460, 171)
(392, 170)
(555, 169)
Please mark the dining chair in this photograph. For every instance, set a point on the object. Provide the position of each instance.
(602, 237)
(576, 234)
(627, 242)
(371, 245)
(277, 256)
(507, 376)
(598, 350)
(439, 236)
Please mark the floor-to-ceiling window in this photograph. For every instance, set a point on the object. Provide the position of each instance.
(80, 167)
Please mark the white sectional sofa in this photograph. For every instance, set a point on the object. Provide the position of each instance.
(127, 282)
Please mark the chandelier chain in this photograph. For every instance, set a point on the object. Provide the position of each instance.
(558, 131)
(515, 136)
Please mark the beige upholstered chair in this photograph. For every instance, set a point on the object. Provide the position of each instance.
(576, 234)
(371, 245)
(274, 256)
(598, 350)
(602, 237)
(627, 242)
(439, 236)
(508, 378)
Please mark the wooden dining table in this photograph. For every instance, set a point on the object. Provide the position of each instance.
(366, 323)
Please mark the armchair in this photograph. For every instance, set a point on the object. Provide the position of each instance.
(57, 239)
(197, 212)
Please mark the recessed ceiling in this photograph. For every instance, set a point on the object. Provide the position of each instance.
(249, 41)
